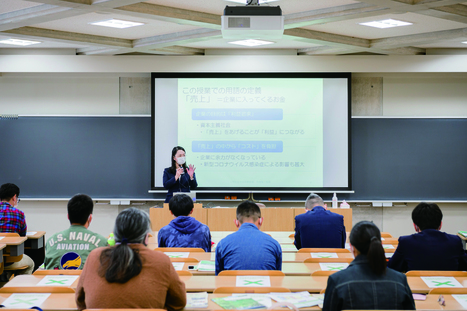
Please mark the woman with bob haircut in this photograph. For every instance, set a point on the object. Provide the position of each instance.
(367, 283)
(129, 275)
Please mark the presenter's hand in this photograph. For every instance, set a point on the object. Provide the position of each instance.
(191, 171)
(178, 173)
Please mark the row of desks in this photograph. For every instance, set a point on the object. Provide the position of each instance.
(207, 283)
(57, 302)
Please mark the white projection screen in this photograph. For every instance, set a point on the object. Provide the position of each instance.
(254, 131)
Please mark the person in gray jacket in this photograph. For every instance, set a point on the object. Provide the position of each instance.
(367, 283)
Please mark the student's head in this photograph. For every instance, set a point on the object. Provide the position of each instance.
(248, 212)
(80, 209)
(313, 200)
(120, 263)
(427, 216)
(365, 237)
(177, 152)
(9, 192)
(181, 205)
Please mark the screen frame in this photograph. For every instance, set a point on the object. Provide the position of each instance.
(252, 75)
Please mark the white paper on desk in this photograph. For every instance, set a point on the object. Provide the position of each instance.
(253, 281)
(299, 299)
(347, 245)
(324, 255)
(197, 300)
(333, 266)
(388, 246)
(382, 239)
(1, 237)
(441, 281)
(31, 233)
(388, 255)
(259, 298)
(177, 254)
(288, 247)
(178, 265)
(213, 256)
(25, 300)
(58, 280)
(462, 299)
(206, 265)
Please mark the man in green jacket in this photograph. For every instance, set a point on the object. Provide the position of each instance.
(68, 249)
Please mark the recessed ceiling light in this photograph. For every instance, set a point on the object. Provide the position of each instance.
(386, 23)
(245, 1)
(251, 42)
(117, 23)
(465, 42)
(19, 42)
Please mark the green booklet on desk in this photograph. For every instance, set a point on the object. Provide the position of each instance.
(463, 233)
(206, 265)
(237, 303)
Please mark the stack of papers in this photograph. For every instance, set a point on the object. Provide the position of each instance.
(300, 300)
(197, 300)
(206, 265)
(238, 303)
(178, 265)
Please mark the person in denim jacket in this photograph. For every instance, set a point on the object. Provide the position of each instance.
(367, 283)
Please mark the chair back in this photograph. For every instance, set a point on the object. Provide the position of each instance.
(184, 273)
(252, 272)
(323, 273)
(347, 260)
(250, 290)
(184, 260)
(37, 289)
(57, 272)
(436, 273)
(391, 241)
(180, 249)
(323, 250)
(449, 291)
(11, 234)
(386, 235)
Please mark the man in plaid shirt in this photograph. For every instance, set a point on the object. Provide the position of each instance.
(12, 220)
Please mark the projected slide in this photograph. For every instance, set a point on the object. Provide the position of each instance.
(253, 132)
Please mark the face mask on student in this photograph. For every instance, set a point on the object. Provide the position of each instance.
(181, 160)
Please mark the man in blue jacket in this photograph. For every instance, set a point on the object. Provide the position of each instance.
(429, 248)
(318, 227)
(184, 230)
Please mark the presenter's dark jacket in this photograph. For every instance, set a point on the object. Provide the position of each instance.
(430, 249)
(319, 228)
(183, 184)
(358, 288)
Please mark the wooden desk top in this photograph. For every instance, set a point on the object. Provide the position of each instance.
(53, 302)
(2, 246)
(13, 240)
(31, 281)
(207, 283)
(36, 235)
(418, 286)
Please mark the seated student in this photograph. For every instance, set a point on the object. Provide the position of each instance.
(129, 275)
(248, 248)
(318, 227)
(184, 231)
(367, 283)
(68, 249)
(12, 220)
(429, 248)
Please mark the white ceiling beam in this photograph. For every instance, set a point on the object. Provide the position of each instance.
(323, 38)
(178, 38)
(418, 39)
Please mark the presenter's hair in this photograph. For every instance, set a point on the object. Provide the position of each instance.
(313, 200)
(7, 191)
(173, 168)
(366, 238)
(79, 208)
(181, 205)
(120, 263)
(247, 210)
(427, 216)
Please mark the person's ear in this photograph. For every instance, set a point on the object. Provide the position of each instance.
(146, 239)
(440, 225)
(325, 206)
(191, 212)
(260, 221)
(89, 219)
(417, 229)
(237, 223)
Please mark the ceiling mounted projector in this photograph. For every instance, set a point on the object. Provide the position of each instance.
(252, 22)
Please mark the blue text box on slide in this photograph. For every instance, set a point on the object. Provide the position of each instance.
(237, 114)
(237, 146)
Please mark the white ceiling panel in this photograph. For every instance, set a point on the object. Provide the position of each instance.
(7, 6)
(421, 24)
(80, 24)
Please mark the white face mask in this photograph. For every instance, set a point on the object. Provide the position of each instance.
(181, 160)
